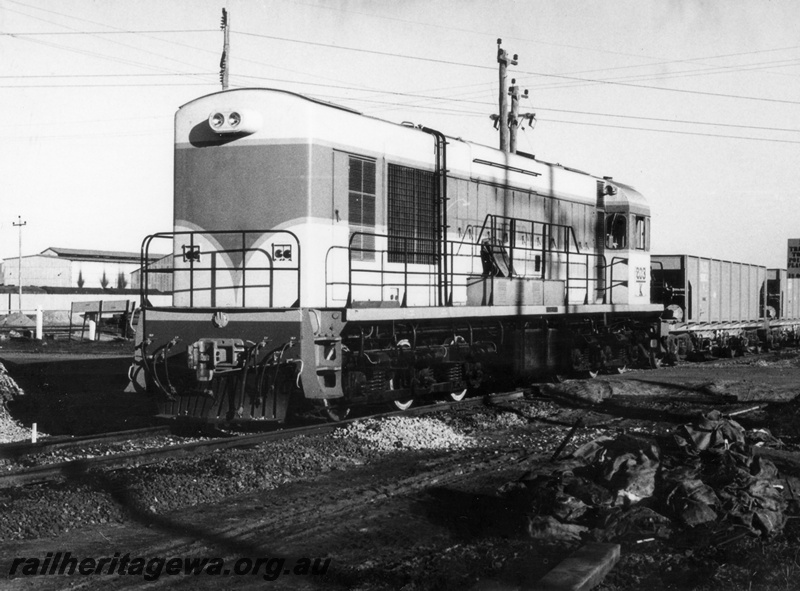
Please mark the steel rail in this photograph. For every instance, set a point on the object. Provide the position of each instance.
(20, 449)
(77, 469)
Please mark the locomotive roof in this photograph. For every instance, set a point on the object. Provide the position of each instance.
(627, 198)
(625, 194)
(300, 96)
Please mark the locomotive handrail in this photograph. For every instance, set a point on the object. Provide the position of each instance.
(568, 230)
(192, 289)
(549, 229)
(192, 254)
(611, 283)
(381, 265)
(431, 256)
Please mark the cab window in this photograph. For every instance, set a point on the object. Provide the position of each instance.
(616, 231)
(641, 233)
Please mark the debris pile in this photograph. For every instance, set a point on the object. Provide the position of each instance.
(10, 430)
(630, 488)
(725, 477)
(17, 320)
(9, 390)
(404, 433)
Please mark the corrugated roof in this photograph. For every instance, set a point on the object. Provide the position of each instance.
(84, 254)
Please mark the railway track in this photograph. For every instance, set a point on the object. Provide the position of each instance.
(79, 467)
(18, 450)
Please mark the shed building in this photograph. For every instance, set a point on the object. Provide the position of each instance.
(72, 267)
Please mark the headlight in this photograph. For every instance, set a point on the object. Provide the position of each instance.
(216, 120)
(229, 121)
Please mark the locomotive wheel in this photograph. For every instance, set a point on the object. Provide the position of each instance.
(403, 404)
(336, 410)
(458, 396)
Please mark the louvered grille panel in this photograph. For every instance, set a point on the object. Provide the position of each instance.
(412, 215)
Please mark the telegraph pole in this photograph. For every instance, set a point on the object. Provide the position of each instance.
(223, 63)
(509, 123)
(514, 118)
(19, 224)
(503, 61)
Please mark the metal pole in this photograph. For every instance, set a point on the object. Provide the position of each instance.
(226, 50)
(19, 224)
(512, 121)
(503, 60)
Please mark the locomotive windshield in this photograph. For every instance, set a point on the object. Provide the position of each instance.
(616, 231)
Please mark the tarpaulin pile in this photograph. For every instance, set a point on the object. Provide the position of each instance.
(721, 477)
(626, 486)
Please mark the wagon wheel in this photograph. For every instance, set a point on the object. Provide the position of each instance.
(336, 410)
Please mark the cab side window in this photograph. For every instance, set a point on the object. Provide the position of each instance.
(641, 233)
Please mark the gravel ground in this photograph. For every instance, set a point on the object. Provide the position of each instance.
(377, 496)
(48, 510)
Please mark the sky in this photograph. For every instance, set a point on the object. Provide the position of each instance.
(696, 103)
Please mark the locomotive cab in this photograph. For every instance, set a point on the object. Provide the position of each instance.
(626, 244)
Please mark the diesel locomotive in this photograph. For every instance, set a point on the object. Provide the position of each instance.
(323, 258)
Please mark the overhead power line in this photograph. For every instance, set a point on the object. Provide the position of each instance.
(539, 41)
(482, 114)
(379, 92)
(118, 32)
(537, 107)
(567, 77)
(706, 71)
(49, 76)
(674, 131)
(113, 85)
(34, 39)
(532, 73)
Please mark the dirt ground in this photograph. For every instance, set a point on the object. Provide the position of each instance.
(434, 519)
